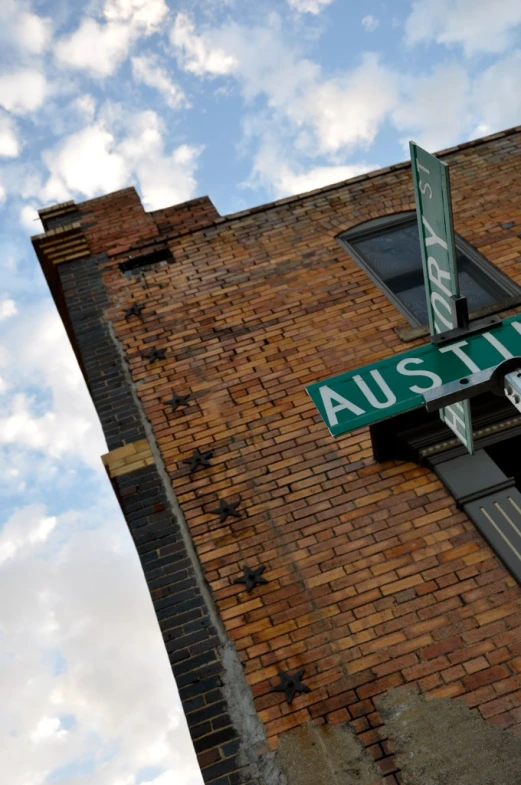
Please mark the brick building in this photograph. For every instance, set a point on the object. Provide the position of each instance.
(312, 591)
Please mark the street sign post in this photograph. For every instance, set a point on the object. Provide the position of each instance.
(446, 308)
(396, 385)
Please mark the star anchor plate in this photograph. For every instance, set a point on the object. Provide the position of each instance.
(199, 459)
(154, 354)
(291, 684)
(134, 310)
(227, 508)
(178, 400)
(252, 578)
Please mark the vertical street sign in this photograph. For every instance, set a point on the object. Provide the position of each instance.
(445, 307)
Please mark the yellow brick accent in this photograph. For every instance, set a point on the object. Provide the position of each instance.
(63, 244)
(128, 458)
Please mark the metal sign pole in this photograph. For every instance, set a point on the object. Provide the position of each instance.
(446, 308)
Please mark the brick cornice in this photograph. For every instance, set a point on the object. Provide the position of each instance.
(63, 244)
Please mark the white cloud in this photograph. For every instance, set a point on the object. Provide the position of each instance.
(94, 161)
(36, 354)
(22, 530)
(101, 47)
(53, 433)
(164, 178)
(32, 32)
(275, 168)
(84, 106)
(20, 26)
(147, 69)
(370, 23)
(80, 649)
(22, 91)
(86, 162)
(434, 108)
(197, 53)
(167, 180)
(94, 47)
(7, 308)
(30, 219)
(326, 113)
(348, 110)
(475, 25)
(287, 182)
(9, 144)
(48, 727)
(145, 14)
(165, 778)
(2, 194)
(313, 114)
(496, 97)
(309, 6)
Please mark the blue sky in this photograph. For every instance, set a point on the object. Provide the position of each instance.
(245, 101)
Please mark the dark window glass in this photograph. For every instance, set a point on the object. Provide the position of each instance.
(389, 249)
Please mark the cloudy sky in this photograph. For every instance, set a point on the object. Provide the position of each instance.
(244, 100)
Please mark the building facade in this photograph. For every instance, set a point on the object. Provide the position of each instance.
(344, 610)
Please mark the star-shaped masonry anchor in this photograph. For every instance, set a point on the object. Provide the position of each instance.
(199, 459)
(134, 310)
(227, 508)
(290, 683)
(154, 354)
(252, 578)
(178, 400)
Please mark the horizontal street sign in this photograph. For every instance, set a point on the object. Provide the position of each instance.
(396, 384)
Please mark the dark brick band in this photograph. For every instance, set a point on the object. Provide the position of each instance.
(191, 638)
(183, 611)
(86, 300)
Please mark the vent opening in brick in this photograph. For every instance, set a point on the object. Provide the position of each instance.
(146, 260)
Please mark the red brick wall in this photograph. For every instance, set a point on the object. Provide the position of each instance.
(375, 579)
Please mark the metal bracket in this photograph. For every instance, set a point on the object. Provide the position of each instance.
(479, 326)
(502, 379)
(460, 311)
(512, 386)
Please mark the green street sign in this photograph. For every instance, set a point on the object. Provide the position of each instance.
(435, 227)
(396, 384)
(434, 213)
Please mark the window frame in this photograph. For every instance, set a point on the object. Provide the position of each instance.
(376, 225)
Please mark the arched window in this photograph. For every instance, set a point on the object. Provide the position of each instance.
(388, 249)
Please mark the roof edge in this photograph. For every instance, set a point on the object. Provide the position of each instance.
(296, 197)
(368, 175)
